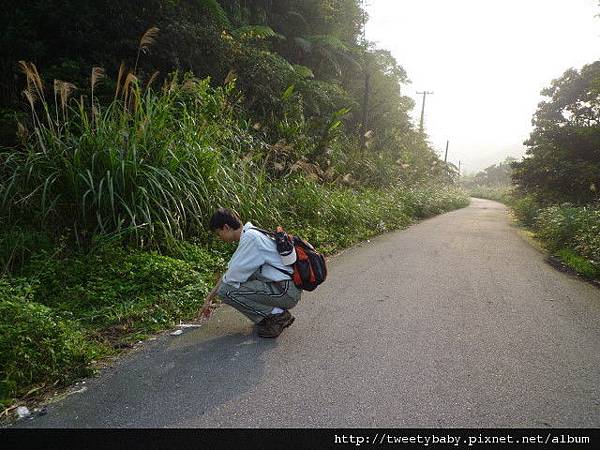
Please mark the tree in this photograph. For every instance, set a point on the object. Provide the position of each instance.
(563, 156)
(496, 175)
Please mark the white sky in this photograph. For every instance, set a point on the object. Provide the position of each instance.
(486, 62)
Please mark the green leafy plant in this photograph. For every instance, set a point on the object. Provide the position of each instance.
(37, 346)
(579, 264)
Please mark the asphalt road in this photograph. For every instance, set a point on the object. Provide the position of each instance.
(454, 322)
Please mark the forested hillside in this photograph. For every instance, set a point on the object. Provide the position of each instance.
(314, 48)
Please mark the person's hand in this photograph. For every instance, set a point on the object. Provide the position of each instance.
(206, 311)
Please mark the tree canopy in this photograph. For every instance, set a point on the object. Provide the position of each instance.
(563, 156)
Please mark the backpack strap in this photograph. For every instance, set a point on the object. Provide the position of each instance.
(268, 233)
(272, 236)
(277, 268)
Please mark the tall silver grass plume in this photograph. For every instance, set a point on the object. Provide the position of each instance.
(30, 96)
(24, 66)
(148, 39)
(57, 84)
(231, 76)
(33, 76)
(22, 133)
(36, 78)
(65, 91)
(97, 74)
(119, 77)
(152, 78)
(131, 78)
(189, 84)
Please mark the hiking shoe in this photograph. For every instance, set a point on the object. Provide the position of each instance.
(285, 318)
(274, 324)
(269, 328)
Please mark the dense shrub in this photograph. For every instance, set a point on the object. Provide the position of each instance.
(36, 344)
(17, 245)
(114, 285)
(557, 226)
(569, 227)
(526, 209)
(587, 240)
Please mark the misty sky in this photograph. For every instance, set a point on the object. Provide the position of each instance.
(486, 62)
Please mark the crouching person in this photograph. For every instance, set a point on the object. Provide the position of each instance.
(256, 282)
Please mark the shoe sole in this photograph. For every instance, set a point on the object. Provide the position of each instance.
(285, 325)
(289, 322)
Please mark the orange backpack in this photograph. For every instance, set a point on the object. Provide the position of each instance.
(310, 268)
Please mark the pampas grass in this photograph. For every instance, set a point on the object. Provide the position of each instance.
(152, 78)
(97, 74)
(148, 40)
(143, 172)
(122, 69)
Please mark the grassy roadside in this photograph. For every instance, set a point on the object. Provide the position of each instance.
(569, 234)
(66, 312)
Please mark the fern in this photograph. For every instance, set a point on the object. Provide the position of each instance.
(327, 40)
(304, 44)
(217, 11)
(298, 16)
(322, 42)
(303, 71)
(256, 31)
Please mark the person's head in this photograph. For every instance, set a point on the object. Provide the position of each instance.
(227, 224)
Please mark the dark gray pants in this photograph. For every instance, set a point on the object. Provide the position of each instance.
(257, 297)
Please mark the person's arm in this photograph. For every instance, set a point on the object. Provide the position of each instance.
(205, 311)
(244, 262)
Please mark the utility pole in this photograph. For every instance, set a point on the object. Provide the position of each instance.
(367, 87)
(446, 160)
(424, 94)
(458, 169)
(364, 19)
(365, 107)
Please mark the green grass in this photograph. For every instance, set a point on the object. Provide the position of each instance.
(141, 168)
(38, 346)
(579, 264)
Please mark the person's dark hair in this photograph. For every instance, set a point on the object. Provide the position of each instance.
(224, 216)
